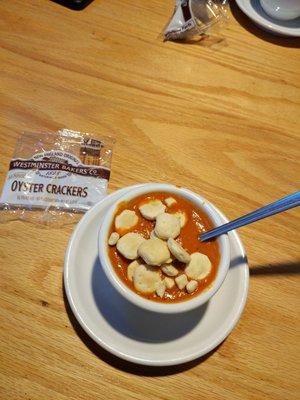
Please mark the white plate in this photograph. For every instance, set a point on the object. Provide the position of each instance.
(141, 336)
(254, 11)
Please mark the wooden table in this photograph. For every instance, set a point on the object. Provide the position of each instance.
(222, 120)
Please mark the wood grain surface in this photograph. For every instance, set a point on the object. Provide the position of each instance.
(222, 120)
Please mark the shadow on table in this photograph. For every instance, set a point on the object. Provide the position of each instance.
(213, 42)
(286, 268)
(250, 26)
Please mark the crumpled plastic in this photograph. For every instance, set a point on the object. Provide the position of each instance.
(192, 19)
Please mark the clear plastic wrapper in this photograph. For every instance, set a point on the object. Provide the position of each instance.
(54, 176)
(193, 19)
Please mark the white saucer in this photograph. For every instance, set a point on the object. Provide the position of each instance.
(141, 336)
(254, 11)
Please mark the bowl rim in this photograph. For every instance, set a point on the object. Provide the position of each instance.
(128, 293)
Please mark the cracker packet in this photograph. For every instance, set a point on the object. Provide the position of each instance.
(55, 175)
(194, 19)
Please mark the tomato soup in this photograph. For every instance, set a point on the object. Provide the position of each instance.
(193, 222)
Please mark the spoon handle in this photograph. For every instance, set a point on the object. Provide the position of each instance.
(290, 201)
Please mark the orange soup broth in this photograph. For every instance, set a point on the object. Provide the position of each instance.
(197, 223)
